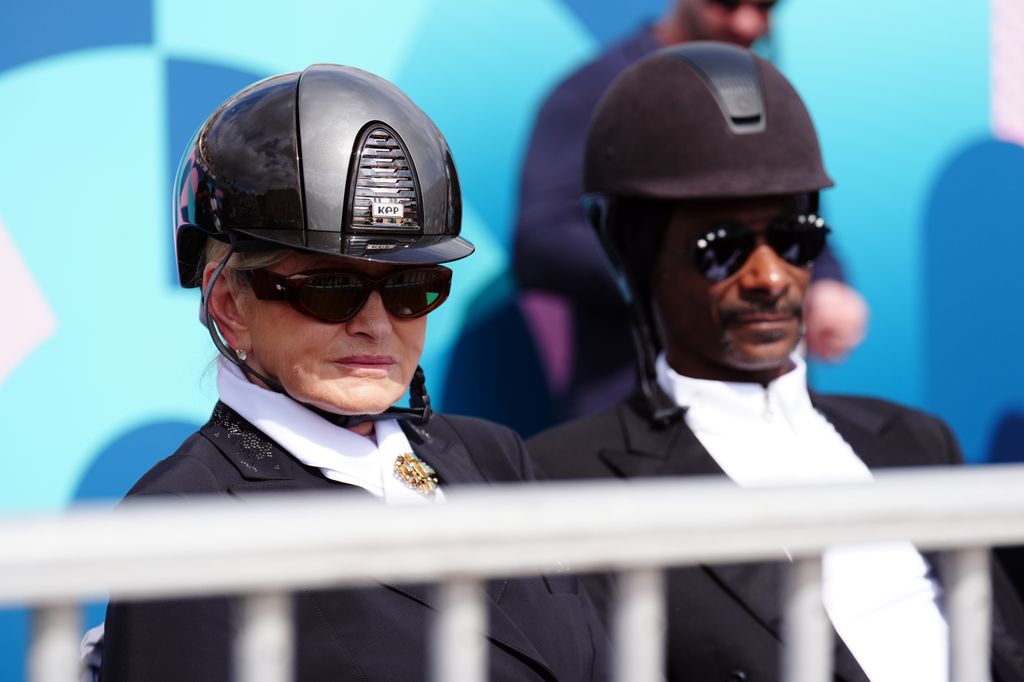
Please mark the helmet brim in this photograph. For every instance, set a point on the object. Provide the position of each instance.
(425, 250)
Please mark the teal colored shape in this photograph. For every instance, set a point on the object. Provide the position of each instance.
(895, 89)
(470, 70)
(470, 277)
(36, 30)
(278, 38)
(974, 237)
(611, 20)
(481, 71)
(82, 194)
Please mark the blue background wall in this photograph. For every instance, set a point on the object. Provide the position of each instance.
(97, 101)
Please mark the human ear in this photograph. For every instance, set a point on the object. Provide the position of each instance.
(227, 310)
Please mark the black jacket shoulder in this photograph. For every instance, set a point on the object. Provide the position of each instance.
(195, 468)
(878, 408)
(924, 432)
(876, 429)
(228, 452)
(497, 450)
(570, 450)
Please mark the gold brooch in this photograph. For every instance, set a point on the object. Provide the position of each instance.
(416, 474)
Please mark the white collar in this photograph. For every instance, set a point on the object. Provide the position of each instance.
(338, 452)
(787, 395)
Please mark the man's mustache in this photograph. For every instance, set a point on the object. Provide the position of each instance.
(732, 313)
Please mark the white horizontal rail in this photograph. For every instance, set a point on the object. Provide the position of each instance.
(155, 550)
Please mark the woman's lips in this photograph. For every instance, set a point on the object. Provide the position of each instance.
(377, 362)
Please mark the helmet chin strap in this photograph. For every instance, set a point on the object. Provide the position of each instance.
(419, 402)
(661, 408)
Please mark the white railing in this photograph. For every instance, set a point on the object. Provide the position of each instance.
(636, 528)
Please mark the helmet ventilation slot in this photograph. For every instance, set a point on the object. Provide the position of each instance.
(385, 194)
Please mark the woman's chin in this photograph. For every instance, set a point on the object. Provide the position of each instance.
(350, 410)
(362, 402)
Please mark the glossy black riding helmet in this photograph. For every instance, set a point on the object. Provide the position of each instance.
(701, 120)
(331, 160)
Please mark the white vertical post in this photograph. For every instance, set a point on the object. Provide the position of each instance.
(458, 649)
(807, 633)
(969, 605)
(264, 647)
(638, 629)
(53, 653)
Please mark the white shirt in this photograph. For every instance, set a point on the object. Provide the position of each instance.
(879, 597)
(340, 454)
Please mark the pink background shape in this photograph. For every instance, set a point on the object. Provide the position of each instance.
(27, 318)
(1007, 23)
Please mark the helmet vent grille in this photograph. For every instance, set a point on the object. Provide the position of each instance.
(734, 81)
(386, 193)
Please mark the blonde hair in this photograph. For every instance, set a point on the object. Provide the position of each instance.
(215, 250)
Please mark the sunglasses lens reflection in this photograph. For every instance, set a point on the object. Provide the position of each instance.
(797, 244)
(337, 297)
(722, 251)
(413, 293)
(333, 297)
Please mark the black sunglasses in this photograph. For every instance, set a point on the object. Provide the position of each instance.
(733, 5)
(797, 239)
(338, 296)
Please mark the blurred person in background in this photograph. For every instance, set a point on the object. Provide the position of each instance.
(703, 171)
(318, 253)
(557, 255)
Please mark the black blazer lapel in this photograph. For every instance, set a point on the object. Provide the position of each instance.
(652, 450)
(455, 466)
(447, 456)
(759, 589)
(675, 451)
(262, 465)
(862, 429)
(253, 454)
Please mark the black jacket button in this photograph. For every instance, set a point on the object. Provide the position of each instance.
(737, 676)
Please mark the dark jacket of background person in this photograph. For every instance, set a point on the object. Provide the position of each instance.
(556, 251)
(724, 620)
(541, 628)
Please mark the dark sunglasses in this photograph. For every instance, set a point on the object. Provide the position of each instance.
(338, 296)
(733, 5)
(797, 239)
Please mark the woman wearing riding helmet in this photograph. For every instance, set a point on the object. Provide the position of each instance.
(315, 209)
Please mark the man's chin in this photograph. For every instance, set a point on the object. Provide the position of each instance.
(764, 357)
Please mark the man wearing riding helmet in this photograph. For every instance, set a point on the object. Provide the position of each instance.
(702, 176)
(314, 209)
(558, 256)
